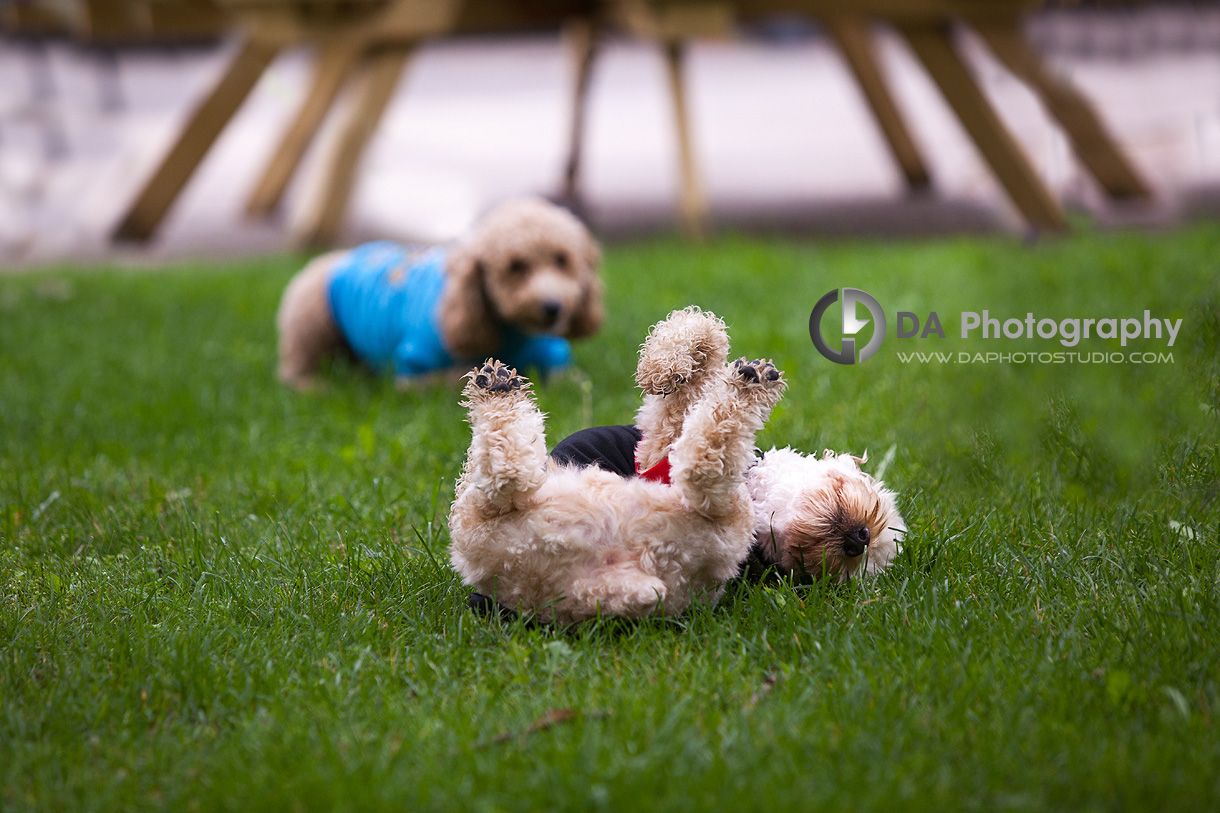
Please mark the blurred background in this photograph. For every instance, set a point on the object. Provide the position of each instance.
(155, 129)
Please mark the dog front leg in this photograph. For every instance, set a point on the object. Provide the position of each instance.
(716, 446)
(507, 458)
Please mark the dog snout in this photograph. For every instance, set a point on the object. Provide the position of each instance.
(550, 310)
(855, 541)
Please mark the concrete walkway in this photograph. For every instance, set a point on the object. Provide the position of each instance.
(782, 134)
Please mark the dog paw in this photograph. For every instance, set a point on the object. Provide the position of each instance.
(680, 350)
(759, 372)
(495, 378)
(665, 370)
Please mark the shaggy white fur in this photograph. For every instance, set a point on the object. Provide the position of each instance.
(822, 517)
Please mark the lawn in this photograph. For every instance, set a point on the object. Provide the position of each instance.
(219, 594)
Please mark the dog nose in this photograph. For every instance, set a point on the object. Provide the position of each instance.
(550, 310)
(854, 542)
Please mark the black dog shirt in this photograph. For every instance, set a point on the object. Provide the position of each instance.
(608, 447)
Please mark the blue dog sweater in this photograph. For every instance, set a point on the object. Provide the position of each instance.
(385, 299)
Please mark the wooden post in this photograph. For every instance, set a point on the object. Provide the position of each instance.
(851, 34)
(1093, 143)
(693, 203)
(202, 128)
(378, 76)
(334, 64)
(581, 33)
(933, 44)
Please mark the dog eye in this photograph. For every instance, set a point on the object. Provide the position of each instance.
(561, 260)
(518, 266)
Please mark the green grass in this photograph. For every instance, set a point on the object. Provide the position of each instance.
(218, 594)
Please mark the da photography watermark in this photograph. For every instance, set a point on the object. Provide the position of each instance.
(850, 326)
(1022, 357)
(975, 326)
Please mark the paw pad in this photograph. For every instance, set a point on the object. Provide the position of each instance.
(756, 371)
(496, 377)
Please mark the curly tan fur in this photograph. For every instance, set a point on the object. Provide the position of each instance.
(529, 264)
(569, 543)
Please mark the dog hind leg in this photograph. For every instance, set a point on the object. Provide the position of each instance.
(507, 457)
(673, 371)
(306, 326)
(624, 591)
(716, 447)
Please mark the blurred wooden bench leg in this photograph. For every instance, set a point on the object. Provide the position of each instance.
(933, 44)
(581, 36)
(201, 130)
(851, 34)
(693, 203)
(379, 73)
(334, 64)
(1093, 143)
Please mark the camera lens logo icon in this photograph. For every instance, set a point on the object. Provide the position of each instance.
(852, 297)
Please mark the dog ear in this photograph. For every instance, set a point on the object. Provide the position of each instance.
(468, 323)
(593, 254)
(591, 312)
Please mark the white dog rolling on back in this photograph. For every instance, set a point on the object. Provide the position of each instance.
(567, 544)
(523, 283)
